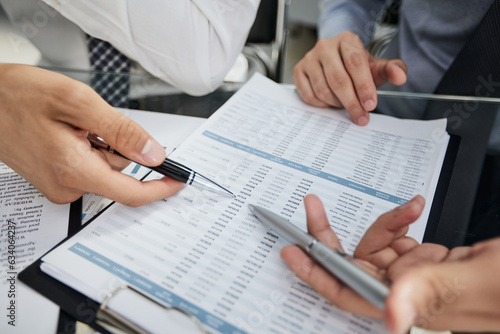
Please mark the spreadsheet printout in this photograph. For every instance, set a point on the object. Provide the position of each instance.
(209, 256)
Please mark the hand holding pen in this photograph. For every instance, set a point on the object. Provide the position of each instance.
(44, 131)
(171, 169)
(384, 249)
(360, 277)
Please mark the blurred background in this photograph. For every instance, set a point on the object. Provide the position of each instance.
(300, 29)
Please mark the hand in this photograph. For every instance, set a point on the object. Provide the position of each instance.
(340, 72)
(46, 118)
(375, 245)
(459, 292)
(432, 287)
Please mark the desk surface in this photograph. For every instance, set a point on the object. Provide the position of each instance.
(470, 120)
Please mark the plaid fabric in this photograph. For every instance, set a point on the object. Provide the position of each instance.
(110, 72)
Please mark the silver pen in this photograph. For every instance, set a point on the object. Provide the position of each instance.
(171, 169)
(372, 286)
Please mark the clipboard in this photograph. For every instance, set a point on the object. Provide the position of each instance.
(76, 307)
(65, 324)
(102, 317)
(74, 304)
(435, 213)
(83, 309)
(105, 320)
(75, 217)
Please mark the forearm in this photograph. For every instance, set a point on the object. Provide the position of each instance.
(357, 16)
(190, 44)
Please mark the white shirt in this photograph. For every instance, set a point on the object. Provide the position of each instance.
(190, 44)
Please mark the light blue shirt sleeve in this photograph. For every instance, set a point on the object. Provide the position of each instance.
(357, 16)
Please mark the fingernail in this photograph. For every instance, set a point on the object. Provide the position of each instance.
(362, 121)
(402, 68)
(369, 105)
(152, 152)
(407, 204)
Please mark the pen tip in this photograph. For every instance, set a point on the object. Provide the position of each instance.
(251, 207)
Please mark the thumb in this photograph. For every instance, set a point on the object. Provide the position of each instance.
(384, 70)
(132, 141)
(90, 112)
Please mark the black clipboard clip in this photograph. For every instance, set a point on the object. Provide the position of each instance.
(117, 323)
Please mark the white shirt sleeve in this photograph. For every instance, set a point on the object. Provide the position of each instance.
(190, 44)
(357, 16)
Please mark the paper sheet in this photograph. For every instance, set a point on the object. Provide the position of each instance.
(209, 256)
(29, 226)
(39, 225)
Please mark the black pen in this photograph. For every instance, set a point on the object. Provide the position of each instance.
(171, 169)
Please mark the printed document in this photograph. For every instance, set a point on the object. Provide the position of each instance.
(29, 226)
(209, 256)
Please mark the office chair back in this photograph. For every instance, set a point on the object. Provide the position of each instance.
(386, 29)
(269, 28)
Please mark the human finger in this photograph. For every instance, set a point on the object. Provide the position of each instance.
(384, 70)
(459, 253)
(389, 227)
(85, 109)
(111, 185)
(304, 88)
(317, 222)
(356, 62)
(92, 172)
(313, 66)
(420, 255)
(325, 284)
(340, 83)
(396, 71)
